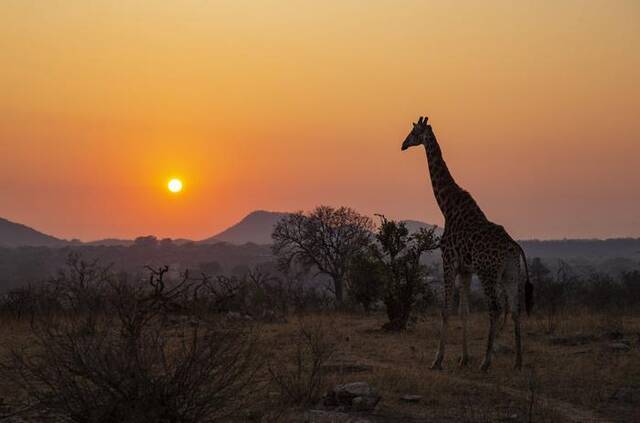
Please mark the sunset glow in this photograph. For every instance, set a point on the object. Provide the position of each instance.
(287, 105)
(175, 185)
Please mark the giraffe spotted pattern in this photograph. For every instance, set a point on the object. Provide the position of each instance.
(471, 244)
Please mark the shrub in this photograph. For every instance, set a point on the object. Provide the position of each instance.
(631, 287)
(133, 360)
(303, 383)
(398, 254)
(365, 278)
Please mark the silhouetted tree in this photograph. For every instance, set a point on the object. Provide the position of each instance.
(404, 276)
(631, 286)
(326, 239)
(149, 241)
(166, 244)
(601, 291)
(550, 293)
(366, 279)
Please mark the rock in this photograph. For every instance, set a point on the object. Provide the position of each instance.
(618, 347)
(354, 389)
(357, 395)
(411, 398)
(235, 316)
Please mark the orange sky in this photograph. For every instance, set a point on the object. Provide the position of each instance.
(286, 105)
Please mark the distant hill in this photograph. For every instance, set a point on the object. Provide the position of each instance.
(18, 235)
(588, 248)
(109, 242)
(117, 242)
(256, 227)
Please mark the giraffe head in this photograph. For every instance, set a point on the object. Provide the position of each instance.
(420, 133)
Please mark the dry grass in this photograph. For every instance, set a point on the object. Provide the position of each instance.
(584, 376)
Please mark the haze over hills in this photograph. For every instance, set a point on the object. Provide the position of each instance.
(255, 227)
(18, 235)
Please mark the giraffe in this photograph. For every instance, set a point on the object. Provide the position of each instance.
(472, 244)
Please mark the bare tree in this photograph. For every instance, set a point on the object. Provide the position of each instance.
(127, 362)
(325, 239)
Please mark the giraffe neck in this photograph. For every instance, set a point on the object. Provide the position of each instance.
(444, 186)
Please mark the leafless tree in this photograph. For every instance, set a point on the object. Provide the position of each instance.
(127, 361)
(325, 239)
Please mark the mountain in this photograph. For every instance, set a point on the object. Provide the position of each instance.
(256, 227)
(18, 235)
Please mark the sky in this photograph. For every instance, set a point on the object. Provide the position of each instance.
(285, 105)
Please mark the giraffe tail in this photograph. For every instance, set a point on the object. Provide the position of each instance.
(528, 286)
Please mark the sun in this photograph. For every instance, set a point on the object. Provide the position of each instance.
(175, 185)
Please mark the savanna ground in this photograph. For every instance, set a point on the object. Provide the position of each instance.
(572, 374)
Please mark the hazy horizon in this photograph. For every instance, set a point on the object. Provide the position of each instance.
(211, 235)
(288, 105)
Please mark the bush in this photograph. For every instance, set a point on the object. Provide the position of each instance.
(601, 292)
(133, 360)
(631, 288)
(365, 276)
(303, 383)
(551, 295)
(398, 254)
(27, 302)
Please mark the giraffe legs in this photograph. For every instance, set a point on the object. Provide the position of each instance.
(449, 282)
(513, 288)
(489, 282)
(465, 286)
(516, 323)
(505, 302)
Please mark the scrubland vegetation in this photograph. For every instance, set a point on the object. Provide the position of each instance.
(263, 343)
